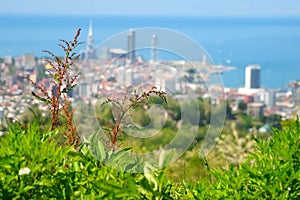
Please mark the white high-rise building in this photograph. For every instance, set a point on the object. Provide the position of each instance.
(252, 77)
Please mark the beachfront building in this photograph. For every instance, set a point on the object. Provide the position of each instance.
(252, 77)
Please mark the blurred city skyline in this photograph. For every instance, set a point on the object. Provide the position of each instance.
(246, 8)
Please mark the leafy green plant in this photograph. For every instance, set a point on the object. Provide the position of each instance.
(29, 157)
(34, 166)
(121, 108)
(120, 160)
(271, 172)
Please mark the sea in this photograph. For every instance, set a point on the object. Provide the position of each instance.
(273, 42)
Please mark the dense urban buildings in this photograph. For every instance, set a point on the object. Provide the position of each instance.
(107, 71)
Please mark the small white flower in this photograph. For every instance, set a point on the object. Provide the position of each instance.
(24, 171)
(289, 188)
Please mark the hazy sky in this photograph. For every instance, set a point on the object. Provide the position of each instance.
(154, 7)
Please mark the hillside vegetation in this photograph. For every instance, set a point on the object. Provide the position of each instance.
(34, 166)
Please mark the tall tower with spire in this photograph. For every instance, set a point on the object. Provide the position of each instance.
(90, 48)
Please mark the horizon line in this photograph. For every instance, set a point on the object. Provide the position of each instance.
(147, 15)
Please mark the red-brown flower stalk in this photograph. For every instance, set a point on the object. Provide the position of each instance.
(63, 81)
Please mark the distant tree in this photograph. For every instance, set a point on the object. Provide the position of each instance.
(191, 71)
(242, 106)
(2, 83)
(244, 122)
(173, 108)
(12, 70)
(274, 121)
(229, 114)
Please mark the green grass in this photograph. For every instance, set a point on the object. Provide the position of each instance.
(60, 172)
(272, 172)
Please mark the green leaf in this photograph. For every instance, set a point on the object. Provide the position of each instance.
(56, 77)
(118, 155)
(98, 150)
(132, 186)
(149, 176)
(40, 98)
(27, 188)
(44, 182)
(68, 89)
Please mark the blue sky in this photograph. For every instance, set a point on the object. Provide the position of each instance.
(154, 7)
